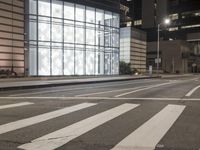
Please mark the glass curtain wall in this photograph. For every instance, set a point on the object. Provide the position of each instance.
(72, 39)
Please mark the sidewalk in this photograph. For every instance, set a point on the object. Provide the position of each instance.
(39, 82)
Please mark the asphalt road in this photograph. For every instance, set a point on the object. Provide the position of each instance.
(146, 114)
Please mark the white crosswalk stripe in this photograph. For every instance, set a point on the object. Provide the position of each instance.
(146, 136)
(150, 133)
(41, 118)
(15, 105)
(60, 137)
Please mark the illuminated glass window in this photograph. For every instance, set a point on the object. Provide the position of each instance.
(190, 26)
(190, 14)
(44, 7)
(137, 22)
(173, 17)
(173, 29)
(69, 11)
(72, 39)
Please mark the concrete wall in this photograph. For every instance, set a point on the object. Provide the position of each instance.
(174, 55)
(193, 36)
(12, 35)
(138, 50)
(133, 48)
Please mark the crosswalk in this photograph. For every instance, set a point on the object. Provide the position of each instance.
(15, 105)
(153, 130)
(146, 136)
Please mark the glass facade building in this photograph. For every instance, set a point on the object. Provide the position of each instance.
(65, 38)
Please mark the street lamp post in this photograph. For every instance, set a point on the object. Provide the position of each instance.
(158, 49)
(167, 21)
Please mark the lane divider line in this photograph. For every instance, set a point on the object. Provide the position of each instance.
(146, 88)
(79, 88)
(106, 98)
(96, 93)
(192, 91)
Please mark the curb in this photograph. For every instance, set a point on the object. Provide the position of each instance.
(68, 83)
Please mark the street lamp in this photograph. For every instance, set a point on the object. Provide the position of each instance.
(166, 22)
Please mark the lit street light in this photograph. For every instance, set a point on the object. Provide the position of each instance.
(166, 22)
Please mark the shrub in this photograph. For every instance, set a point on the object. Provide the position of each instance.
(125, 68)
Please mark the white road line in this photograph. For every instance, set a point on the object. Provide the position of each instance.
(43, 117)
(192, 91)
(60, 137)
(105, 98)
(146, 88)
(80, 88)
(150, 133)
(15, 105)
(96, 93)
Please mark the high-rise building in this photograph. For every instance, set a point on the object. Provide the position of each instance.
(185, 24)
(60, 37)
(184, 15)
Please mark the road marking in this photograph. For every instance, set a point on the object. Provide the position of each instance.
(96, 93)
(150, 133)
(15, 105)
(60, 137)
(192, 91)
(43, 117)
(63, 90)
(146, 88)
(104, 98)
(82, 88)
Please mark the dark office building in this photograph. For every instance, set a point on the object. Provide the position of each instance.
(131, 12)
(185, 24)
(184, 14)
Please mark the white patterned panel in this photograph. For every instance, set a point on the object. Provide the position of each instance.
(44, 61)
(90, 34)
(33, 61)
(44, 7)
(90, 62)
(44, 31)
(80, 13)
(57, 66)
(107, 63)
(80, 33)
(115, 20)
(57, 9)
(115, 63)
(69, 11)
(79, 68)
(69, 62)
(90, 15)
(69, 31)
(99, 17)
(57, 34)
